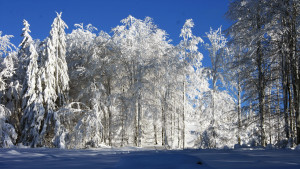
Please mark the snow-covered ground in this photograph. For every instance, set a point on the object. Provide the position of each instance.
(132, 158)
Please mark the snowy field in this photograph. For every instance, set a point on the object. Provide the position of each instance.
(132, 158)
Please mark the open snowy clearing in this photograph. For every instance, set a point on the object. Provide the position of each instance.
(20, 158)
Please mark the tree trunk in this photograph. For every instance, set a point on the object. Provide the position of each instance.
(122, 129)
(104, 134)
(155, 134)
(109, 127)
(178, 129)
(239, 113)
(290, 115)
(269, 113)
(285, 69)
(295, 71)
(123, 117)
(183, 118)
(163, 117)
(285, 84)
(109, 121)
(135, 96)
(140, 114)
(285, 72)
(136, 122)
(261, 96)
(261, 80)
(278, 111)
(163, 125)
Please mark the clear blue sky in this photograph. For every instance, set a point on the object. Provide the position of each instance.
(169, 15)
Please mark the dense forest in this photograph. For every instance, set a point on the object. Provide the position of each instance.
(134, 87)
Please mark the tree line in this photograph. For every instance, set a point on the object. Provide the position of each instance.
(265, 44)
(133, 87)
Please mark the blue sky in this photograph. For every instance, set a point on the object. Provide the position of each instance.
(169, 15)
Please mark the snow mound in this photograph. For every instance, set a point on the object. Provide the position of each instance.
(13, 152)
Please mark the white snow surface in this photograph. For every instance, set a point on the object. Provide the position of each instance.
(141, 158)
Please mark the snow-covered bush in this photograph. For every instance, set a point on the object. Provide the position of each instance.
(77, 126)
(8, 135)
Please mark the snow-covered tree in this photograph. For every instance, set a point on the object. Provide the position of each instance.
(27, 40)
(268, 35)
(135, 38)
(234, 71)
(8, 133)
(5, 45)
(217, 54)
(223, 133)
(78, 126)
(24, 51)
(54, 76)
(191, 58)
(249, 31)
(83, 66)
(7, 63)
(7, 71)
(33, 108)
(132, 87)
(55, 64)
(86, 109)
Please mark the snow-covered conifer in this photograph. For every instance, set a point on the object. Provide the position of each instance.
(24, 52)
(27, 40)
(32, 103)
(56, 58)
(54, 76)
